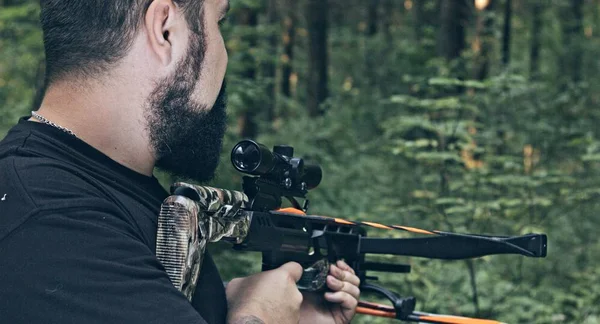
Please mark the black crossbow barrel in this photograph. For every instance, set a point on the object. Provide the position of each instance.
(253, 220)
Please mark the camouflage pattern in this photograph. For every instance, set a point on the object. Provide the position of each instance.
(178, 245)
(314, 278)
(187, 224)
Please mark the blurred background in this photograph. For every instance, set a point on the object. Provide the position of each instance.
(460, 115)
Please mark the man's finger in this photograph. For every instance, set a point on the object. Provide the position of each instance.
(344, 275)
(337, 285)
(343, 298)
(334, 284)
(344, 266)
(294, 269)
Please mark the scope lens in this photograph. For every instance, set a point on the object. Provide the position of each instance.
(312, 175)
(246, 156)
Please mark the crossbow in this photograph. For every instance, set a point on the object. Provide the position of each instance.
(254, 220)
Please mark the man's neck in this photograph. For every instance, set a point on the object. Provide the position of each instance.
(107, 117)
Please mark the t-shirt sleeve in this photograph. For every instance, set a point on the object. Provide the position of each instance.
(85, 265)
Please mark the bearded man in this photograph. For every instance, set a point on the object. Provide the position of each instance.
(130, 85)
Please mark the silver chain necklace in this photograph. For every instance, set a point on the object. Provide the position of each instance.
(48, 122)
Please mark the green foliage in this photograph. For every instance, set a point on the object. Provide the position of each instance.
(21, 51)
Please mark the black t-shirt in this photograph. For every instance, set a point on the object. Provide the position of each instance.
(78, 236)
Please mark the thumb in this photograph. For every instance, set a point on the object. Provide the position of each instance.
(294, 269)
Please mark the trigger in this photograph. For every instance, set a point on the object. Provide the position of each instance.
(314, 278)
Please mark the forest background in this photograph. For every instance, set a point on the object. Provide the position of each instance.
(468, 116)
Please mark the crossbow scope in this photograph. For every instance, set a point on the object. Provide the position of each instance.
(275, 174)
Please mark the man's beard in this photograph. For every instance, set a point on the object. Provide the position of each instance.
(186, 136)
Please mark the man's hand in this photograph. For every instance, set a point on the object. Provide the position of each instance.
(266, 297)
(337, 306)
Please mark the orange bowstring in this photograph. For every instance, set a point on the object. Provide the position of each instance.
(374, 312)
(379, 310)
(294, 211)
(455, 319)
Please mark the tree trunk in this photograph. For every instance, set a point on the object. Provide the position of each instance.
(485, 40)
(387, 21)
(572, 33)
(419, 19)
(536, 39)
(371, 56)
(506, 33)
(246, 123)
(474, 294)
(372, 19)
(596, 19)
(318, 60)
(270, 68)
(288, 39)
(451, 36)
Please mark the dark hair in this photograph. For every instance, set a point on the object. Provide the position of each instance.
(82, 38)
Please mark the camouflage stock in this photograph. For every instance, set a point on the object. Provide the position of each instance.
(189, 219)
(178, 245)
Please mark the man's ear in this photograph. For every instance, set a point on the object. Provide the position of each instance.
(159, 21)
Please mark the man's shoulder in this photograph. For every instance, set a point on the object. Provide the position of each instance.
(29, 184)
(38, 180)
(47, 170)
